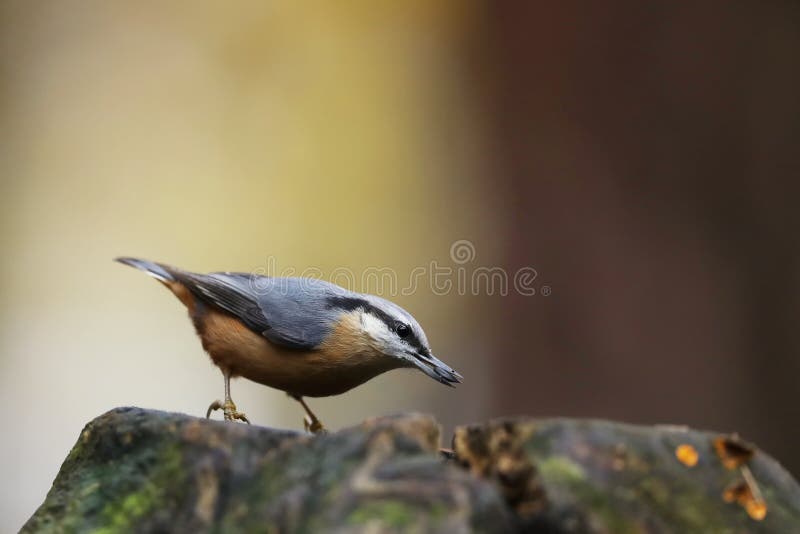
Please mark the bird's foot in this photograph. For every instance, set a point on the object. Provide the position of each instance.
(229, 411)
(314, 425)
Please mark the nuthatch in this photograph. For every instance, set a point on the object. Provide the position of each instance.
(304, 336)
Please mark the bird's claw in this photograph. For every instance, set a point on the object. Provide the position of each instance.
(314, 425)
(214, 406)
(241, 417)
(232, 415)
(229, 411)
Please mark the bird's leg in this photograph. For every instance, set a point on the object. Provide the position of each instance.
(228, 407)
(310, 421)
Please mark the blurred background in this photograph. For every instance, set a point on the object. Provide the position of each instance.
(642, 157)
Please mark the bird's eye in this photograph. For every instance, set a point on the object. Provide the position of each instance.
(402, 330)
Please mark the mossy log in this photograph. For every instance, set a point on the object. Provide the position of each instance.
(148, 471)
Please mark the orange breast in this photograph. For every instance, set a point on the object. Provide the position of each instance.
(335, 367)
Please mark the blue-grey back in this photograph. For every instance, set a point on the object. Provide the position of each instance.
(293, 312)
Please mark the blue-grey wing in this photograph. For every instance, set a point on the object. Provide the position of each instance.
(298, 310)
(294, 313)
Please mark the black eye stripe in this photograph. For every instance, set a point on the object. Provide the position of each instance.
(412, 339)
(354, 303)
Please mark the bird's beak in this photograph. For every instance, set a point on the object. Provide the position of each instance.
(437, 369)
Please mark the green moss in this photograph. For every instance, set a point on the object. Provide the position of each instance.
(682, 503)
(599, 504)
(655, 491)
(561, 470)
(694, 510)
(392, 513)
(122, 514)
(437, 513)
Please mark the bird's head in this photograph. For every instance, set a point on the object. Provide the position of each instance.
(393, 332)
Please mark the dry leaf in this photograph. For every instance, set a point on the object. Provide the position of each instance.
(745, 492)
(732, 451)
(737, 492)
(756, 509)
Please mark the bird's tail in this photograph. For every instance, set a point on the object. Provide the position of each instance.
(156, 270)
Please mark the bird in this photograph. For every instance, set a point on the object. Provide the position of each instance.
(304, 336)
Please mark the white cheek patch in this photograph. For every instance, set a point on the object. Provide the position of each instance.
(385, 339)
(376, 328)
